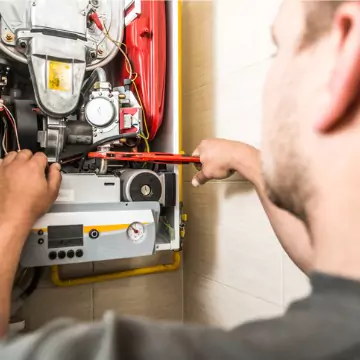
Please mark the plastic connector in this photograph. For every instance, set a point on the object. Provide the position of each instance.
(96, 20)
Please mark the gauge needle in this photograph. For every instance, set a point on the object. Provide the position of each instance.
(135, 231)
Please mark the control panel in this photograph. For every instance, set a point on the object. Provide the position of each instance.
(92, 232)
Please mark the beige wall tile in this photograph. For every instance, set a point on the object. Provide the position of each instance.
(242, 33)
(230, 240)
(212, 303)
(296, 283)
(47, 304)
(66, 272)
(104, 267)
(157, 296)
(197, 44)
(239, 104)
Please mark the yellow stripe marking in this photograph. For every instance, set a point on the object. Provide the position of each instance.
(100, 228)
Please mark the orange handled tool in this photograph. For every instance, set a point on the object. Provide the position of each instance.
(151, 157)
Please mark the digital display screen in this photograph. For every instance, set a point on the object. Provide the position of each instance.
(65, 236)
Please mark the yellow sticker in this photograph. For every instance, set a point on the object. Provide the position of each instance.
(59, 76)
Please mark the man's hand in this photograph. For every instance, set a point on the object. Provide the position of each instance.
(26, 193)
(220, 158)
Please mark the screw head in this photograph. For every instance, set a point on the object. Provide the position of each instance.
(9, 37)
(93, 54)
(23, 44)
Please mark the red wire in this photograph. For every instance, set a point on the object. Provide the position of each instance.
(9, 117)
(14, 127)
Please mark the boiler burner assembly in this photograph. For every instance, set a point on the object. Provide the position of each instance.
(82, 77)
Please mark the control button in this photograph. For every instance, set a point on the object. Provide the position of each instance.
(52, 255)
(40, 233)
(40, 241)
(94, 234)
(70, 254)
(61, 255)
(79, 253)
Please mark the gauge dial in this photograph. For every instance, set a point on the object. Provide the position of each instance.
(136, 232)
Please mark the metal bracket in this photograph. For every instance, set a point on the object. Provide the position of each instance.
(134, 13)
(55, 138)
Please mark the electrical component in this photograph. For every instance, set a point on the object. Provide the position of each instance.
(70, 103)
(141, 185)
(89, 222)
(147, 185)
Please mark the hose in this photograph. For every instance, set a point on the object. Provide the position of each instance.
(26, 282)
(98, 74)
(11, 54)
(102, 142)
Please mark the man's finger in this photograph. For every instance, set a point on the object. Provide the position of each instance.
(54, 180)
(196, 152)
(41, 160)
(10, 157)
(24, 155)
(199, 179)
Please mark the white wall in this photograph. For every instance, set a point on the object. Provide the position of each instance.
(235, 269)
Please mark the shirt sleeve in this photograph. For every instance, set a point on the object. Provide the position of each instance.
(129, 339)
(322, 326)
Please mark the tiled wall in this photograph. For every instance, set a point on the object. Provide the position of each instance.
(156, 296)
(235, 269)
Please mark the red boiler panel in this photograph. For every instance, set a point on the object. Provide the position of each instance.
(145, 39)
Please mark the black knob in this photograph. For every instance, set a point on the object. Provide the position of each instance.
(94, 234)
(79, 253)
(52, 255)
(61, 255)
(40, 241)
(70, 254)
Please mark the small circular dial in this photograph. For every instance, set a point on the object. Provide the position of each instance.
(99, 112)
(136, 232)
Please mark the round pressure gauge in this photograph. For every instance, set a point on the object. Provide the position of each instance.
(100, 112)
(136, 232)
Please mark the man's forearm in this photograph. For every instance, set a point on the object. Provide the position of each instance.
(12, 240)
(290, 231)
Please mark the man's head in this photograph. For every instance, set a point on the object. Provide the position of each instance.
(311, 132)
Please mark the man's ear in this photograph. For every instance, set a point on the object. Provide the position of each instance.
(344, 85)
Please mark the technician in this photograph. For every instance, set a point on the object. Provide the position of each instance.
(311, 169)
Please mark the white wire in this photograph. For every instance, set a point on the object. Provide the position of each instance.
(15, 126)
(4, 136)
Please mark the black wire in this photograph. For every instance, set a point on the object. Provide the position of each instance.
(102, 142)
(34, 282)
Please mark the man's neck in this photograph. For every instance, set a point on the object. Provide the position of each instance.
(335, 232)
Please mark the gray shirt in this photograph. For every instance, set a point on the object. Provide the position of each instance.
(325, 325)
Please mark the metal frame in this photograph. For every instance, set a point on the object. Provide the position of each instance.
(176, 264)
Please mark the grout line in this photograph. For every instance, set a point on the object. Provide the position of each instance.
(244, 182)
(238, 290)
(199, 87)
